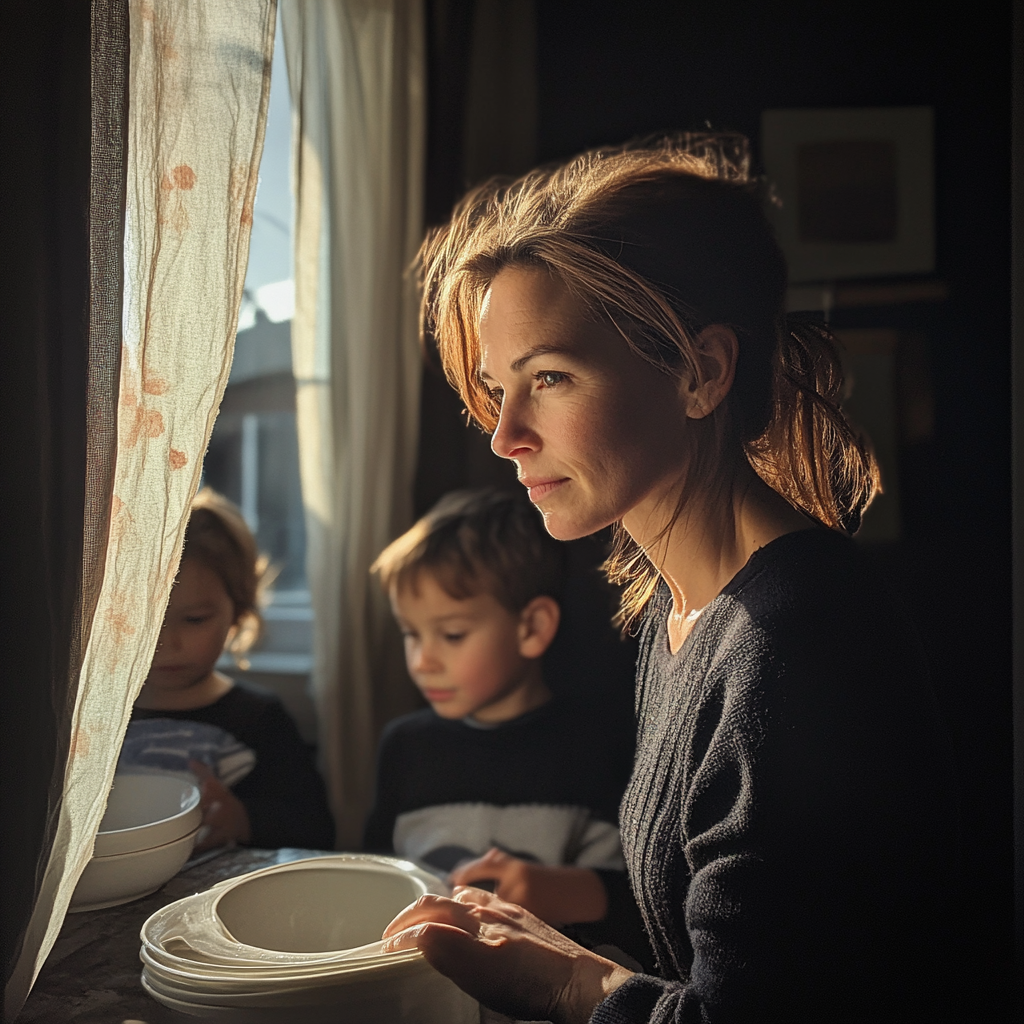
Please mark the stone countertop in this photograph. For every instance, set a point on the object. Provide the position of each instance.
(92, 973)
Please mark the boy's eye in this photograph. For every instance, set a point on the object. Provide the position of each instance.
(550, 378)
(454, 638)
(196, 620)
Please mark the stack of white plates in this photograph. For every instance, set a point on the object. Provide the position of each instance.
(300, 936)
(147, 833)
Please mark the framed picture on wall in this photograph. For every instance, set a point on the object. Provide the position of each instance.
(855, 189)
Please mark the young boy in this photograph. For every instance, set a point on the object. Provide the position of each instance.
(497, 782)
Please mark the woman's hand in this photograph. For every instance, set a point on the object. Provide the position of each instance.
(225, 818)
(558, 895)
(505, 957)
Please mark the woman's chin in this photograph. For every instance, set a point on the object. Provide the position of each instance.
(564, 524)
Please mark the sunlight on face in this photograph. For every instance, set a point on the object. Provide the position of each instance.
(464, 655)
(593, 429)
(199, 617)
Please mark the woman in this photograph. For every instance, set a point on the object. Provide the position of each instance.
(618, 325)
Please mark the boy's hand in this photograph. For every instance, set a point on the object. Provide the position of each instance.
(557, 895)
(225, 818)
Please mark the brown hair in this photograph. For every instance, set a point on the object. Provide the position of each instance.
(478, 541)
(218, 537)
(661, 241)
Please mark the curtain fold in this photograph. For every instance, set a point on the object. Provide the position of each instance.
(198, 85)
(356, 72)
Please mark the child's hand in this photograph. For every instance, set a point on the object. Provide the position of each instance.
(557, 895)
(225, 819)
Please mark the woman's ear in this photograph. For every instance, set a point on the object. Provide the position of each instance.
(717, 349)
(538, 624)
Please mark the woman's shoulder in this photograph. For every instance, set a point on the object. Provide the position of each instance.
(811, 595)
(812, 576)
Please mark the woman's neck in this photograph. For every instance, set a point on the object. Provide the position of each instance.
(708, 544)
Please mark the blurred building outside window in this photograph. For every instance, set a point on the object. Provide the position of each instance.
(253, 456)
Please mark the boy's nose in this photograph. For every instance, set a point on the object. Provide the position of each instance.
(424, 660)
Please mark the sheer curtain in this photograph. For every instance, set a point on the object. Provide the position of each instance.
(356, 72)
(198, 85)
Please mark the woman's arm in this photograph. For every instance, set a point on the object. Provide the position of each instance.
(506, 957)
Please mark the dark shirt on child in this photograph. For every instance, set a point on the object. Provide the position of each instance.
(253, 746)
(544, 787)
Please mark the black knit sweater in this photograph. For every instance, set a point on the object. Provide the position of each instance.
(790, 825)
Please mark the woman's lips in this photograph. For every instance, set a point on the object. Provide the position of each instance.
(539, 489)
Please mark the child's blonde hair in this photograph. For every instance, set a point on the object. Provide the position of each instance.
(219, 538)
(480, 541)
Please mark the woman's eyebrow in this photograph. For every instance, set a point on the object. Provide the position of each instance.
(538, 350)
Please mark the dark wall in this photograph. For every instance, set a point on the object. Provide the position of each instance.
(619, 71)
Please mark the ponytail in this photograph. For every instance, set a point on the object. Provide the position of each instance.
(809, 452)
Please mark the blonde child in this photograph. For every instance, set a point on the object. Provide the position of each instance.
(258, 780)
(497, 783)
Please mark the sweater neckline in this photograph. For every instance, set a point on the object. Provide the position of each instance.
(754, 565)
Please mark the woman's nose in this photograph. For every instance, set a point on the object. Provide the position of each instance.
(513, 436)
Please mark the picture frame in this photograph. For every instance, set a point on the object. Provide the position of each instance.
(854, 190)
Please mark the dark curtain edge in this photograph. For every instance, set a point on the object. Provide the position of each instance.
(78, 412)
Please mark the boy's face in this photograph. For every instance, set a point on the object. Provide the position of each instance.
(471, 656)
(199, 617)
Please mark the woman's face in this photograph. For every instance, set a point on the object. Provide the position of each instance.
(596, 433)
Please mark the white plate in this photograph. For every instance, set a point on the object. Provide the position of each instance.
(283, 905)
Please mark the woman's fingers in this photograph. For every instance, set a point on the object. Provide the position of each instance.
(469, 894)
(435, 910)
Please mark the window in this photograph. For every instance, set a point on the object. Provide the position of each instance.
(253, 455)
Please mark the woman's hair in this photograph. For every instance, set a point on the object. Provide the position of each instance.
(662, 241)
(217, 536)
(483, 541)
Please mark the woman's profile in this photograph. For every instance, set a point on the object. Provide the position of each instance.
(618, 325)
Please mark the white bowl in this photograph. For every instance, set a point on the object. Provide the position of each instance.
(145, 811)
(299, 941)
(108, 881)
(318, 909)
(423, 996)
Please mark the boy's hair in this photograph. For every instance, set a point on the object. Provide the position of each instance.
(218, 537)
(486, 541)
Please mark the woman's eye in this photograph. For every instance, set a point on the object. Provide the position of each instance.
(550, 378)
(196, 620)
(454, 638)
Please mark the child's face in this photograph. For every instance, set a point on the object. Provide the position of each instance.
(199, 617)
(469, 655)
